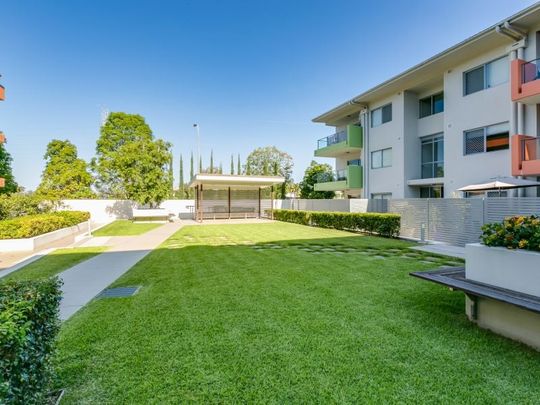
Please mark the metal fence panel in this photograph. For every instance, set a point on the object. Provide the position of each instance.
(456, 221)
(496, 209)
(413, 211)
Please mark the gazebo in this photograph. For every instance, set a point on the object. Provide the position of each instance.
(223, 196)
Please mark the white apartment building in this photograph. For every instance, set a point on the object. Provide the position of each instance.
(464, 116)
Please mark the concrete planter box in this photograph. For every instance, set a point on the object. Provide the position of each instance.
(151, 215)
(517, 270)
(36, 242)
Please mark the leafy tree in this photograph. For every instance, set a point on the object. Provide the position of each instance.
(6, 173)
(171, 177)
(314, 173)
(238, 166)
(130, 162)
(261, 159)
(232, 164)
(65, 174)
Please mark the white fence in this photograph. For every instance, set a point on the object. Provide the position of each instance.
(456, 221)
(103, 211)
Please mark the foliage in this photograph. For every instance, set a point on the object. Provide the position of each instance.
(517, 232)
(131, 163)
(6, 172)
(181, 184)
(28, 328)
(232, 165)
(372, 223)
(238, 166)
(19, 204)
(34, 225)
(65, 174)
(313, 175)
(262, 160)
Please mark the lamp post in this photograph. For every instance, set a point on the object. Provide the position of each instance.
(196, 126)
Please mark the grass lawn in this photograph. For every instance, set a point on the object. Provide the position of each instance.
(285, 313)
(54, 263)
(124, 227)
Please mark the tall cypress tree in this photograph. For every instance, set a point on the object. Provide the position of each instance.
(181, 187)
(220, 168)
(200, 164)
(191, 169)
(232, 164)
(239, 166)
(211, 161)
(6, 172)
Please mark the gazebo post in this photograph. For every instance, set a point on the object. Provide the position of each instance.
(229, 201)
(272, 202)
(201, 202)
(259, 202)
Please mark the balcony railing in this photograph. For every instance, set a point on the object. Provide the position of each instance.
(530, 149)
(530, 71)
(338, 137)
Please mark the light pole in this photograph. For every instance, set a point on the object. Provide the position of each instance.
(196, 126)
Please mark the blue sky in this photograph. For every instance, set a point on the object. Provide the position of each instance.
(251, 73)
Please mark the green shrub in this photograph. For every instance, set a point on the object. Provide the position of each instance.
(373, 223)
(20, 204)
(28, 328)
(513, 233)
(33, 225)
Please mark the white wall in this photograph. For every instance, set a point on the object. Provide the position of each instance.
(103, 211)
(462, 113)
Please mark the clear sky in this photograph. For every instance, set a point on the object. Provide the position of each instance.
(251, 73)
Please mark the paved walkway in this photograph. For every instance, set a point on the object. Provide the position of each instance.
(85, 280)
(443, 249)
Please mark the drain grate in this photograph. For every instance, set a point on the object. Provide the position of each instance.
(118, 292)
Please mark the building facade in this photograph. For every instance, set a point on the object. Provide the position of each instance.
(464, 116)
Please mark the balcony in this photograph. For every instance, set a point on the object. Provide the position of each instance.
(2, 93)
(525, 83)
(525, 155)
(346, 179)
(349, 140)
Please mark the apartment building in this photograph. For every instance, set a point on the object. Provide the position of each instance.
(2, 137)
(462, 117)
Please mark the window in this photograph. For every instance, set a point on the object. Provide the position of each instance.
(381, 158)
(432, 192)
(483, 77)
(381, 115)
(354, 162)
(431, 105)
(433, 157)
(487, 139)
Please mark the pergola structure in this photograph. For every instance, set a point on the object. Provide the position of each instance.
(223, 196)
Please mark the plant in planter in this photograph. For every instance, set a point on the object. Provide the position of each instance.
(517, 232)
(509, 256)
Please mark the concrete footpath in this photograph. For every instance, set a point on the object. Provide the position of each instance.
(87, 279)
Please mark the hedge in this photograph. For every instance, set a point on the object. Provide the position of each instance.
(28, 328)
(518, 232)
(34, 225)
(373, 223)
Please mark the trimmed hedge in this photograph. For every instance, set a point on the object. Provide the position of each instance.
(34, 225)
(373, 223)
(28, 328)
(514, 233)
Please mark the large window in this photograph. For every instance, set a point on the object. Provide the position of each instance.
(432, 192)
(381, 115)
(381, 158)
(433, 157)
(431, 105)
(487, 139)
(381, 196)
(485, 76)
(354, 162)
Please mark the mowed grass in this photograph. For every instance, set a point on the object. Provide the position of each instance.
(284, 313)
(124, 227)
(54, 263)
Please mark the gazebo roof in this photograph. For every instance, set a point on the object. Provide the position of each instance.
(220, 181)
